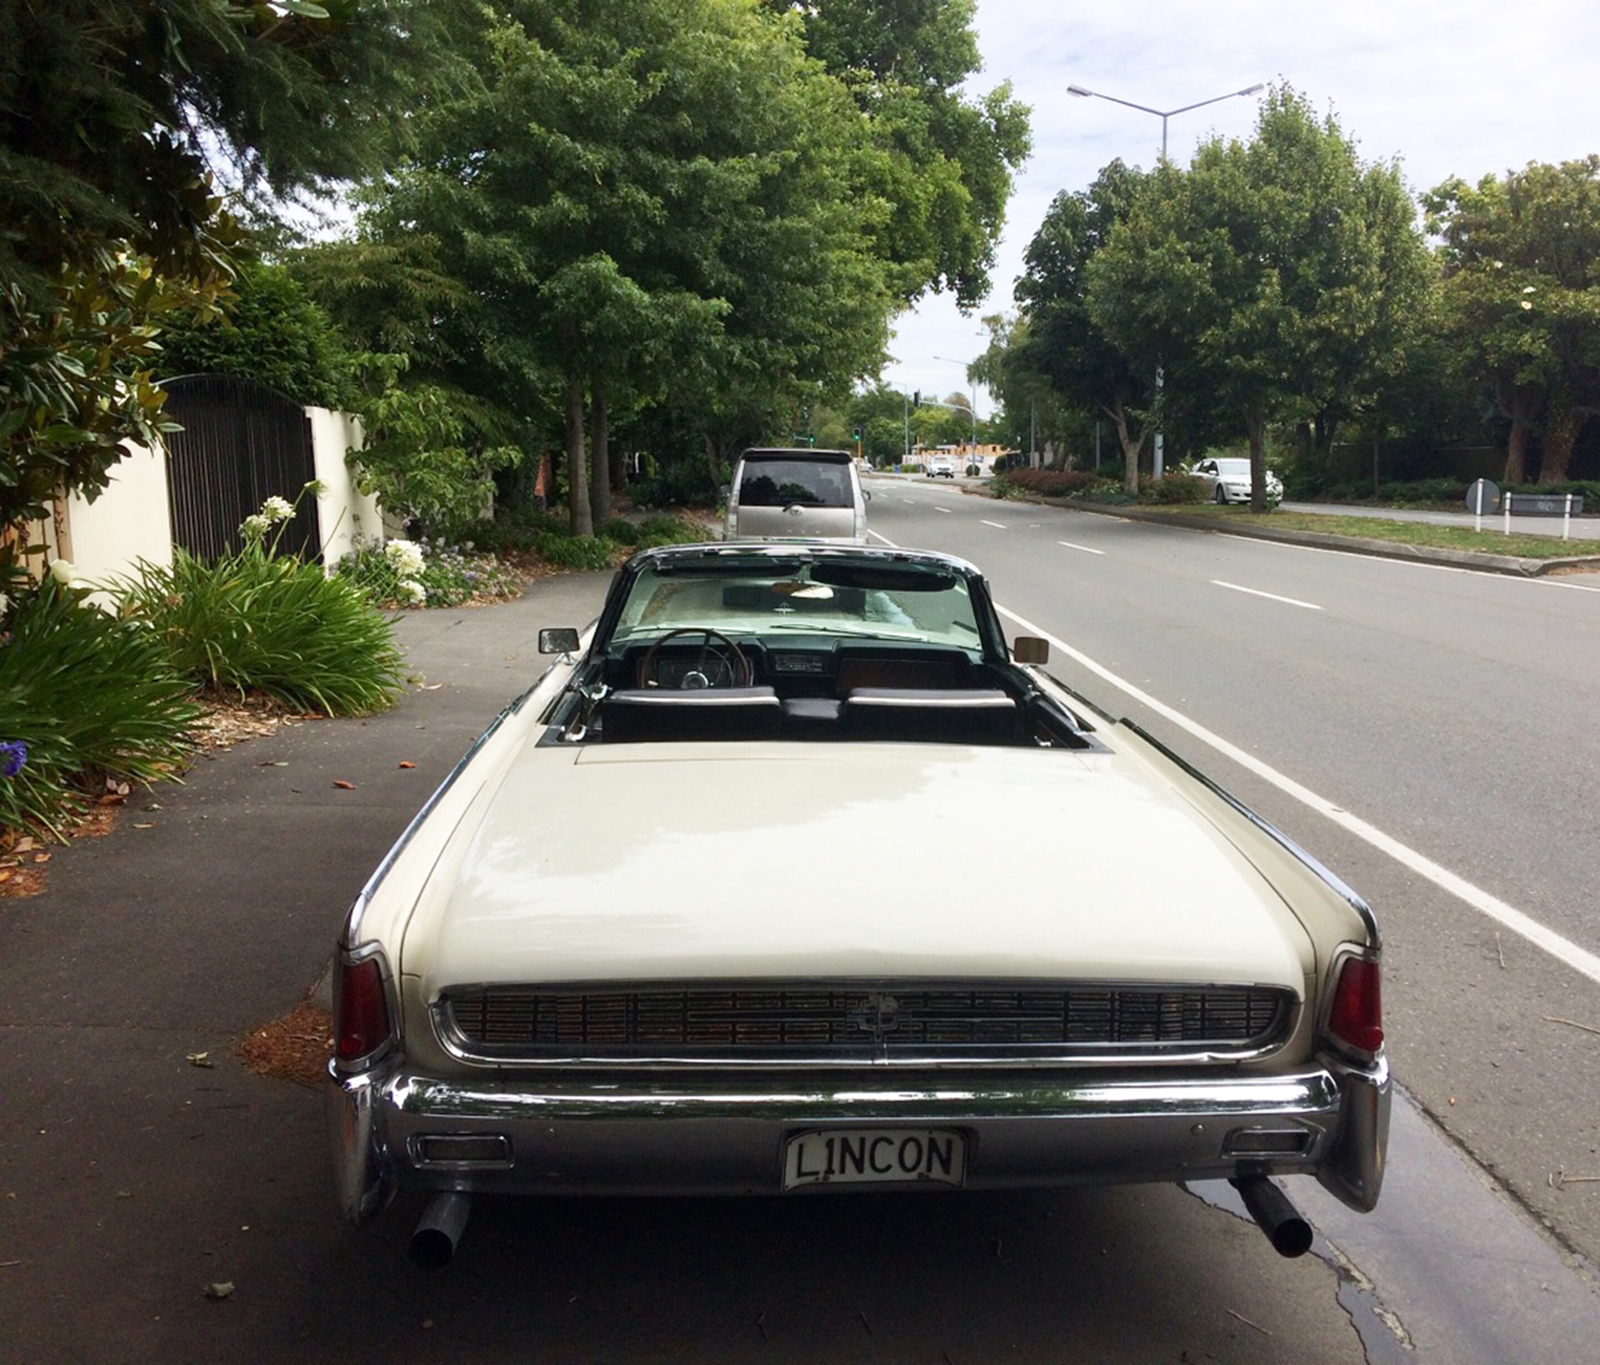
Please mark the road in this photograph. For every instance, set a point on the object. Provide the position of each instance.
(140, 1164)
(1426, 732)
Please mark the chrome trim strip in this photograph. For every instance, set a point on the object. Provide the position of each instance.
(1330, 879)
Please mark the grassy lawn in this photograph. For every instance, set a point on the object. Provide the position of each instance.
(1378, 528)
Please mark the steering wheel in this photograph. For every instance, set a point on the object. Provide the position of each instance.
(730, 658)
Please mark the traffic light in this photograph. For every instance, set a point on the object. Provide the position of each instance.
(916, 399)
(855, 435)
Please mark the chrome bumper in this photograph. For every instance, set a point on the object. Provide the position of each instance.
(725, 1134)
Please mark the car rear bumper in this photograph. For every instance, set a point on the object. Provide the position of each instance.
(726, 1134)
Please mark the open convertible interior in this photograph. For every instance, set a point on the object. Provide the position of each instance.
(753, 644)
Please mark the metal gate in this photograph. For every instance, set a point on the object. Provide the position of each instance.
(241, 443)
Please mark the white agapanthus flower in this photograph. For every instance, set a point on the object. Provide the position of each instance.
(404, 557)
(5, 604)
(414, 592)
(63, 571)
(277, 509)
(255, 526)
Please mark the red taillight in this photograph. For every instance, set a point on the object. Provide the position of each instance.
(1356, 1018)
(363, 1023)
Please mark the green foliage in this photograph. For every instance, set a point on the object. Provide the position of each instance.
(76, 378)
(577, 553)
(1172, 487)
(685, 483)
(1049, 483)
(90, 697)
(258, 622)
(266, 329)
(944, 160)
(416, 457)
(445, 575)
(1521, 299)
(112, 112)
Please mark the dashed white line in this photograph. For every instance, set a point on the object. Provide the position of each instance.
(1069, 544)
(1270, 596)
(1562, 949)
(997, 526)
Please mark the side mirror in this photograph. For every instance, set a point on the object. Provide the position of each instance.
(866, 495)
(558, 640)
(1030, 649)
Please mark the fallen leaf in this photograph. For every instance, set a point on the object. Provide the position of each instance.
(41, 857)
(343, 785)
(201, 1059)
(146, 825)
(26, 844)
(221, 1290)
(5, 874)
(408, 765)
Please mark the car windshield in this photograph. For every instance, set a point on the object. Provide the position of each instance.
(778, 597)
(1238, 469)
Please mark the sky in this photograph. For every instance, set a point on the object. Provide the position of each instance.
(1445, 87)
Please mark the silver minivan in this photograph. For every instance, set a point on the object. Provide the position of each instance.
(799, 493)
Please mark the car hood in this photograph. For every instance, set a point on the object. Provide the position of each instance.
(686, 860)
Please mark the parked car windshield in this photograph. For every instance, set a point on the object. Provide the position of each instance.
(774, 598)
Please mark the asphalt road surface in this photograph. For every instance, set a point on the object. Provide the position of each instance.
(158, 1202)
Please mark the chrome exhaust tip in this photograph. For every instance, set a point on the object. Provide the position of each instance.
(433, 1244)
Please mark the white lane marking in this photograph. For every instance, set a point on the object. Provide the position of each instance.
(1562, 949)
(945, 510)
(1270, 596)
(1084, 548)
(997, 526)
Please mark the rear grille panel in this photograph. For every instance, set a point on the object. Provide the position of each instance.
(799, 1022)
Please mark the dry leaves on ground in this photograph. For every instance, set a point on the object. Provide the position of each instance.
(293, 1047)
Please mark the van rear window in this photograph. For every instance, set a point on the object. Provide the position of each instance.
(784, 483)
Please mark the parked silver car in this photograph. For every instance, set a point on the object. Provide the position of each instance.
(800, 493)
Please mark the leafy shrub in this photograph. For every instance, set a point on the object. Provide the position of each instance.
(574, 552)
(620, 531)
(428, 574)
(1051, 483)
(686, 483)
(1171, 488)
(257, 621)
(85, 697)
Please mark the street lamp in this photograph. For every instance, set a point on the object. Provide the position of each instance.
(1158, 453)
(950, 360)
(1163, 114)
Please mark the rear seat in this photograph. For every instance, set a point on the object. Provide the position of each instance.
(636, 715)
(954, 716)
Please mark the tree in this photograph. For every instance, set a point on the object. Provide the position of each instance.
(947, 159)
(161, 96)
(268, 330)
(623, 212)
(1062, 342)
(1521, 299)
(113, 116)
(1260, 273)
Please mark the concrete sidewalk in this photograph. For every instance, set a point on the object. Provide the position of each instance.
(135, 1171)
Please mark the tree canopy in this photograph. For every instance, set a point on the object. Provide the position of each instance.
(1521, 291)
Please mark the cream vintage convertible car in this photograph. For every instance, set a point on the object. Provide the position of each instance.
(703, 912)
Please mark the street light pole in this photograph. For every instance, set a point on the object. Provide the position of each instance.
(950, 360)
(1157, 453)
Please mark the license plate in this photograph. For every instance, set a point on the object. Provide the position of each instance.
(875, 1156)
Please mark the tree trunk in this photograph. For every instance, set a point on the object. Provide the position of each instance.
(1559, 438)
(599, 455)
(1132, 446)
(1522, 407)
(1255, 423)
(579, 520)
